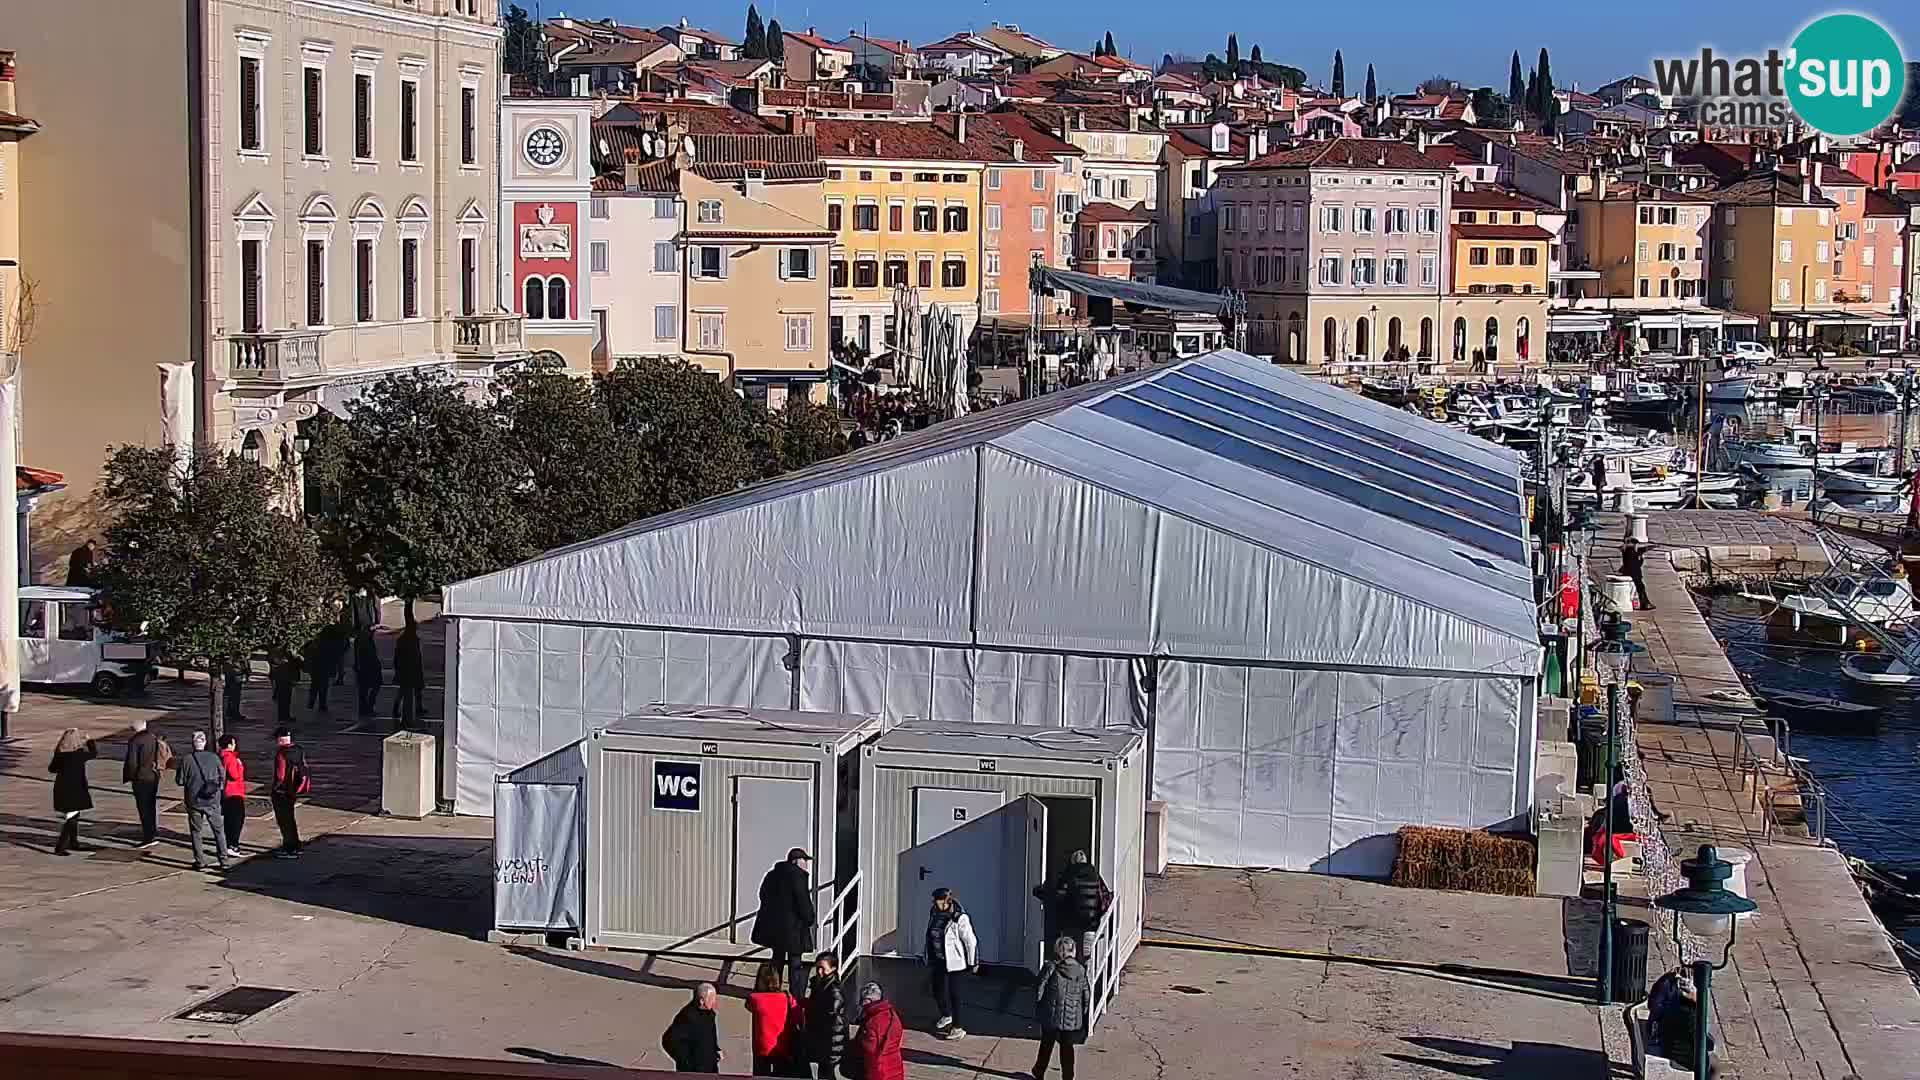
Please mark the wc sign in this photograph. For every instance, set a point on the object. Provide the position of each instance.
(676, 786)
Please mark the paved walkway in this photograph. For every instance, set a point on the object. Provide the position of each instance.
(1812, 989)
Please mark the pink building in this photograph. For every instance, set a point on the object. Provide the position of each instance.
(1882, 251)
(1115, 242)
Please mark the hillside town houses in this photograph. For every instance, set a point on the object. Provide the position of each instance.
(334, 192)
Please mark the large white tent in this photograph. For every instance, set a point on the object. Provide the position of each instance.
(1319, 606)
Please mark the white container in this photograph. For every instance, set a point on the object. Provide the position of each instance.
(1623, 501)
(1637, 528)
(407, 780)
(1656, 698)
(1618, 592)
(1738, 882)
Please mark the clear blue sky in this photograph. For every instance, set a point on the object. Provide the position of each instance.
(1590, 43)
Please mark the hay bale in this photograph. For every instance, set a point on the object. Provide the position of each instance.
(1463, 860)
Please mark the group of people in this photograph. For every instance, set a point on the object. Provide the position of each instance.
(213, 785)
(799, 1016)
(345, 646)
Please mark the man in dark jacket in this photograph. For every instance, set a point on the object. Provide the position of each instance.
(1074, 901)
(409, 677)
(80, 566)
(826, 1026)
(367, 673)
(202, 777)
(283, 672)
(142, 770)
(786, 917)
(290, 781)
(693, 1040)
(1633, 560)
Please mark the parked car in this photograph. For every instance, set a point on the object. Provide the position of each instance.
(63, 641)
(1749, 352)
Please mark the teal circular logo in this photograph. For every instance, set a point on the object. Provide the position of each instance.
(1845, 75)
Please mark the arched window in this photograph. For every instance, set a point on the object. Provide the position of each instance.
(1330, 345)
(1363, 338)
(1459, 340)
(557, 298)
(1522, 339)
(1493, 339)
(1296, 332)
(1426, 338)
(536, 298)
(1393, 334)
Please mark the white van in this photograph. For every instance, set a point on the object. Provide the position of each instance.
(62, 642)
(1749, 352)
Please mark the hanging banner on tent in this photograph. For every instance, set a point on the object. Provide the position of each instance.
(536, 856)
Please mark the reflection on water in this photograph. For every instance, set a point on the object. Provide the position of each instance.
(1873, 776)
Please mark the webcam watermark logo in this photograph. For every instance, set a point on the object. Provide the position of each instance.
(1843, 75)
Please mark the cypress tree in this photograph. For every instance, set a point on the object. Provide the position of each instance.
(755, 47)
(1108, 44)
(1233, 53)
(1516, 86)
(1546, 84)
(1255, 57)
(776, 42)
(1339, 75)
(1373, 95)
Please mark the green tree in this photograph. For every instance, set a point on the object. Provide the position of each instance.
(1233, 52)
(1339, 75)
(1550, 120)
(580, 478)
(202, 562)
(523, 46)
(1545, 92)
(1516, 83)
(1108, 45)
(692, 434)
(1532, 96)
(755, 46)
(776, 42)
(425, 488)
(1373, 91)
(1486, 105)
(1254, 57)
(798, 434)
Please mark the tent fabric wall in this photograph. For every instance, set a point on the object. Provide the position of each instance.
(1304, 769)
(524, 690)
(971, 685)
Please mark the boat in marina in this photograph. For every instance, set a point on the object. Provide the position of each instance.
(1832, 613)
(1643, 401)
(1795, 450)
(1820, 708)
(1879, 669)
(1742, 389)
(1856, 482)
(1871, 390)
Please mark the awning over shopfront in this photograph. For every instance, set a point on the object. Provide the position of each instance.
(1578, 322)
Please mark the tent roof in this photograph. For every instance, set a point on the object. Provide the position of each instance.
(1164, 297)
(1217, 506)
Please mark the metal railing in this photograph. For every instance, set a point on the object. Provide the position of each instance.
(843, 924)
(488, 335)
(275, 356)
(1101, 975)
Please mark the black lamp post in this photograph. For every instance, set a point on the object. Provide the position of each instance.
(1708, 908)
(1611, 657)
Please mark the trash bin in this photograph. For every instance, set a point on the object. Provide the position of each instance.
(1591, 752)
(1629, 962)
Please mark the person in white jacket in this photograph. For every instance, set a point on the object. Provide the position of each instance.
(951, 951)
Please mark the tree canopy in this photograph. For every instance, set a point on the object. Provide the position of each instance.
(1107, 45)
(1233, 52)
(1254, 56)
(203, 563)
(776, 41)
(1516, 83)
(755, 45)
(1373, 91)
(522, 45)
(1339, 87)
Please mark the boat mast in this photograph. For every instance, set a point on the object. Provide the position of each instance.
(1700, 422)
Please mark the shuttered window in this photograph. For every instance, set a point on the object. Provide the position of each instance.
(316, 283)
(249, 103)
(409, 278)
(363, 280)
(313, 96)
(467, 98)
(469, 270)
(363, 116)
(250, 286)
(409, 121)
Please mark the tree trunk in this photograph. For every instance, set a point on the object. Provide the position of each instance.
(217, 700)
(409, 610)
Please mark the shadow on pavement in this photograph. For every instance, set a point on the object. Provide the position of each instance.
(1525, 1061)
(922, 1057)
(435, 883)
(643, 974)
(551, 1058)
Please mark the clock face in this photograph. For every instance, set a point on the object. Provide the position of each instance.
(544, 147)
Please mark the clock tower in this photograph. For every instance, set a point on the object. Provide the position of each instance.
(546, 186)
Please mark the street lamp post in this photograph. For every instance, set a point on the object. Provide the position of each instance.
(1707, 907)
(1611, 658)
(1816, 392)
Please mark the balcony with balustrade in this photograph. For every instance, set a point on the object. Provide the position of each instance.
(276, 356)
(489, 336)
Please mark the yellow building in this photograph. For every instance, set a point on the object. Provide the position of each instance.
(13, 128)
(1772, 254)
(903, 202)
(1499, 276)
(1649, 246)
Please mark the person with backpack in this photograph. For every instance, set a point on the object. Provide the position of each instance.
(202, 777)
(1074, 902)
(291, 779)
(148, 755)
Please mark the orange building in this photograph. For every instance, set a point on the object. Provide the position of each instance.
(1018, 206)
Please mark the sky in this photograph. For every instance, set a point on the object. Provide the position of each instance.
(1589, 43)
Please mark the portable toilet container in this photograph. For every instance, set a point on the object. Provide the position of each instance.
(686, 808)
(991, 811)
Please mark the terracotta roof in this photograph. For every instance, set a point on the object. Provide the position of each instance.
(1835, 176)
(694, 31)
(1345, 154)
(1495, 198)
(1196, 140)
(995, 132)
(804, 95)
(1881, 204)
(16, 122)
(1098, 117)
(888, 44)
(814, 40)
(1106, 211)
(617, 52)
(964, 42)
(1653, 193)
(1767, 189)
(1014, 41)
(888, 140)
(1501, 232)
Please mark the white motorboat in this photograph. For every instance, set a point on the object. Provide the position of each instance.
(1871, 389)
(1879, 669)
(1831, 616)
(1741, 389)
(1855, 482)
(1643, 399)
(1796, 451)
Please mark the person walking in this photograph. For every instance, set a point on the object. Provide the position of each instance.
(367, 673)
(202, 778)
(826, 1025)
(323, 654)
(291, 779)
(775, 1022)
(1074, 902)
(233, 799)
(80, 566)
(952, 950)
(784, 924)
(147, 755)
(1633, 561)
(71, 797)
(283, 672)
(878, 1047)
(1066, 1003)
(409, 677)
(692, 1040)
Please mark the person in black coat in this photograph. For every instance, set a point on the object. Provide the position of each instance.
(826, 1026)
(70, 794)
(367, 672)
(409, 677)
(692, 1041)
(283, 671)
(1633, 560)
(1074, 902)
(785, 921)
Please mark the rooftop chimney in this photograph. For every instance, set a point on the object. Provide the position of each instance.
(632, 168)
(1806, 187)
(1133, 120)
(1420, 140)
(1019, 150)
(1079, 119)
(1666, 156)
(1486, 152)
(960, 126)
(876, 146)
(1819, 171)
(8, 103)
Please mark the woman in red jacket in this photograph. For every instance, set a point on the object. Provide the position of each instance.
(879, 1043)
(233, 798)
(775, 1022)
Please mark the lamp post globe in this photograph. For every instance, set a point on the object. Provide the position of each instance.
(1706, 907)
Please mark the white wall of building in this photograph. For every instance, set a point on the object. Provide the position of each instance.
(633, 288)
